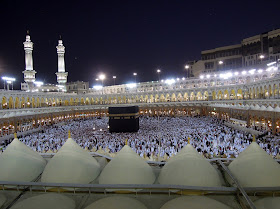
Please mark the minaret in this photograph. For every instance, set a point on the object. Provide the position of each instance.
(29, 73)
(61, 74)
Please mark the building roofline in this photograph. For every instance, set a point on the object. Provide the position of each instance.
(221, 48)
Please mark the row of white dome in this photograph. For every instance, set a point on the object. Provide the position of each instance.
(58, 201)
(247, 107)
(72, 164)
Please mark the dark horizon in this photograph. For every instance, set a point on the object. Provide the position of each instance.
(119, 38)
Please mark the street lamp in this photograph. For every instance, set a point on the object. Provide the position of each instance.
(102, 77)
(158, 72)
(9, 81)
(135, 74)
(187, 67)
(114, 77)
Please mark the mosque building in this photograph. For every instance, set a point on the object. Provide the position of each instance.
(76, 178)
(249, 97)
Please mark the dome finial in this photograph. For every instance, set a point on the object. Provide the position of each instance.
(189, 140)
(69, 134)
(126, 142)
(254, 138)
(15, 135)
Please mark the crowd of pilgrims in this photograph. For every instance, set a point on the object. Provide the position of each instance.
(157, 139)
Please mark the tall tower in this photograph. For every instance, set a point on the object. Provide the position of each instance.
(61, 74)
(29, 73)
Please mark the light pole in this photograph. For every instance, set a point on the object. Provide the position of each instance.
(102, 77)
(114, 77)
(135, 74)
(158, 72)
(187, 67)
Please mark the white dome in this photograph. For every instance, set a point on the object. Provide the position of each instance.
(2, 200)
(277, 109)
(20, 163)
(257, 107)
(269, 108)
(255, 168)
(127, 168)
(268, 203)
(262, 107)
(46, 201)
(71, 164)
(189, 168)
(116, 202)
(194, 202)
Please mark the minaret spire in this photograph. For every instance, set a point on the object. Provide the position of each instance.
(61, 74)
(29, 73)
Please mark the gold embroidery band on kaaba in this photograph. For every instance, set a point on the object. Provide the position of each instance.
(124, 116)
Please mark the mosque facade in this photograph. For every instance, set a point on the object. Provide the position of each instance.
(249, 97)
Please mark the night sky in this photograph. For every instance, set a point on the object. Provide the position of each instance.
(122, 37)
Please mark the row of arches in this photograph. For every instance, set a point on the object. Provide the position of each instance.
(262, 92)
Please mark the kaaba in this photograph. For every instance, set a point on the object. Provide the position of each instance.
(124, 119)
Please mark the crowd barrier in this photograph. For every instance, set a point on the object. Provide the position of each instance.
(20, 134)
(242, 128)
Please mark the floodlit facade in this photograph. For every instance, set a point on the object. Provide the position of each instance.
(250, 97)
(251, 51)
(77, 87)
